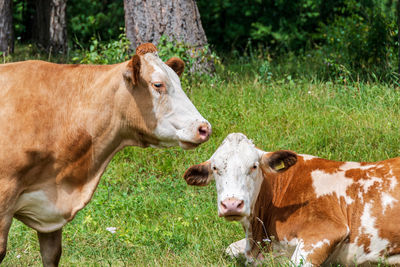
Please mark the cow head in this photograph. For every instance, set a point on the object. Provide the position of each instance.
(236, 167)
(161, 114)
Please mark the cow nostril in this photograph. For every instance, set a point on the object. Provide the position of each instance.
(223, 205)
(241, 204)
(203, 130)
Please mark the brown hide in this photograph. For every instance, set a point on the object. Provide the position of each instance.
(288, 207)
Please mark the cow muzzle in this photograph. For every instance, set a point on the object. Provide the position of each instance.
(201, 134)
(231, 209)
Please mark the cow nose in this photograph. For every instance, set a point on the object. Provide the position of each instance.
(204, 132)
(231, 207)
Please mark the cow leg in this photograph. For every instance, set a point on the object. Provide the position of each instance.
(315, 250)
(50, 247)
(5, 224)
(236, 249)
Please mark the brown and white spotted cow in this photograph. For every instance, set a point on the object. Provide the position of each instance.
(316, 210)
(62, 124)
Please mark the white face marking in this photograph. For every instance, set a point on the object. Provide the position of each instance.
(177, 117)
(37, 211)
(234, 173)
(335, 183)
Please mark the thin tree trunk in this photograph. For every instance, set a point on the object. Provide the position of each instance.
(50, 28)
(6, 27)
(147, 21)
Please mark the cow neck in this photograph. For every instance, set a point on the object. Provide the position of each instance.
(124, 115)
(260, 223)
(272, 194)
(104, 124)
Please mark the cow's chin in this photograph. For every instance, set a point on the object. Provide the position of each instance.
(233, 218)
(187, 145)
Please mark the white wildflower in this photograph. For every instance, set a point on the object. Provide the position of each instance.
(112, 229)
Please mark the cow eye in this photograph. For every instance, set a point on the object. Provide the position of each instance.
(214, 168)
(159, 86)
(255, 167)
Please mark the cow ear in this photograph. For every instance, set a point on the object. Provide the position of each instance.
(176, 64)
(279, 161)
(132, 74)
(199, 175)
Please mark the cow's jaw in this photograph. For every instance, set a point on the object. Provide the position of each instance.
(238, 177)
(178, 121)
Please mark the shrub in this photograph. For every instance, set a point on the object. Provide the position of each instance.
(361, 39)
(104, 53)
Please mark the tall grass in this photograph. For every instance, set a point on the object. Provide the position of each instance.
(160, 221)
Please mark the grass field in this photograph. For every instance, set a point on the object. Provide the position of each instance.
(160, 221)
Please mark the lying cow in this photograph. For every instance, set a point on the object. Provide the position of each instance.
(318, 210)
(62, 124)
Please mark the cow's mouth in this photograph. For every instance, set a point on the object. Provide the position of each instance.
(233, 217)
(188, 145)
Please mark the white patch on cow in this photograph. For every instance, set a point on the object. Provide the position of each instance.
(368, 227)
(307, 157)
(294, 249)
(367, 183)
(387, 200)
(236, 249)
(393, 181)
(355, 165)
(331, 183)
(320, 244)
(299, 257)
(177, 117)
(350, 165)
(393, 260)
(38, 212)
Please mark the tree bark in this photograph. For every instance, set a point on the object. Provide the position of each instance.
(6, 27)
(50, 29)
(148, 20)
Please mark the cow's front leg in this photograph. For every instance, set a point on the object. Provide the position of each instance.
(5, 224)
(50, 247)
(236, 249)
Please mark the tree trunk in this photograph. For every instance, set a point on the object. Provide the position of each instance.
(179, 20)
(50, 29)
(6, 27)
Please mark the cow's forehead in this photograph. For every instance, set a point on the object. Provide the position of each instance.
(160, 70)
(236, 149)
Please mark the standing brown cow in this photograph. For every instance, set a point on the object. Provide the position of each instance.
(62, 124)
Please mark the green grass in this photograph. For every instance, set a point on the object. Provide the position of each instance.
(163, 222)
